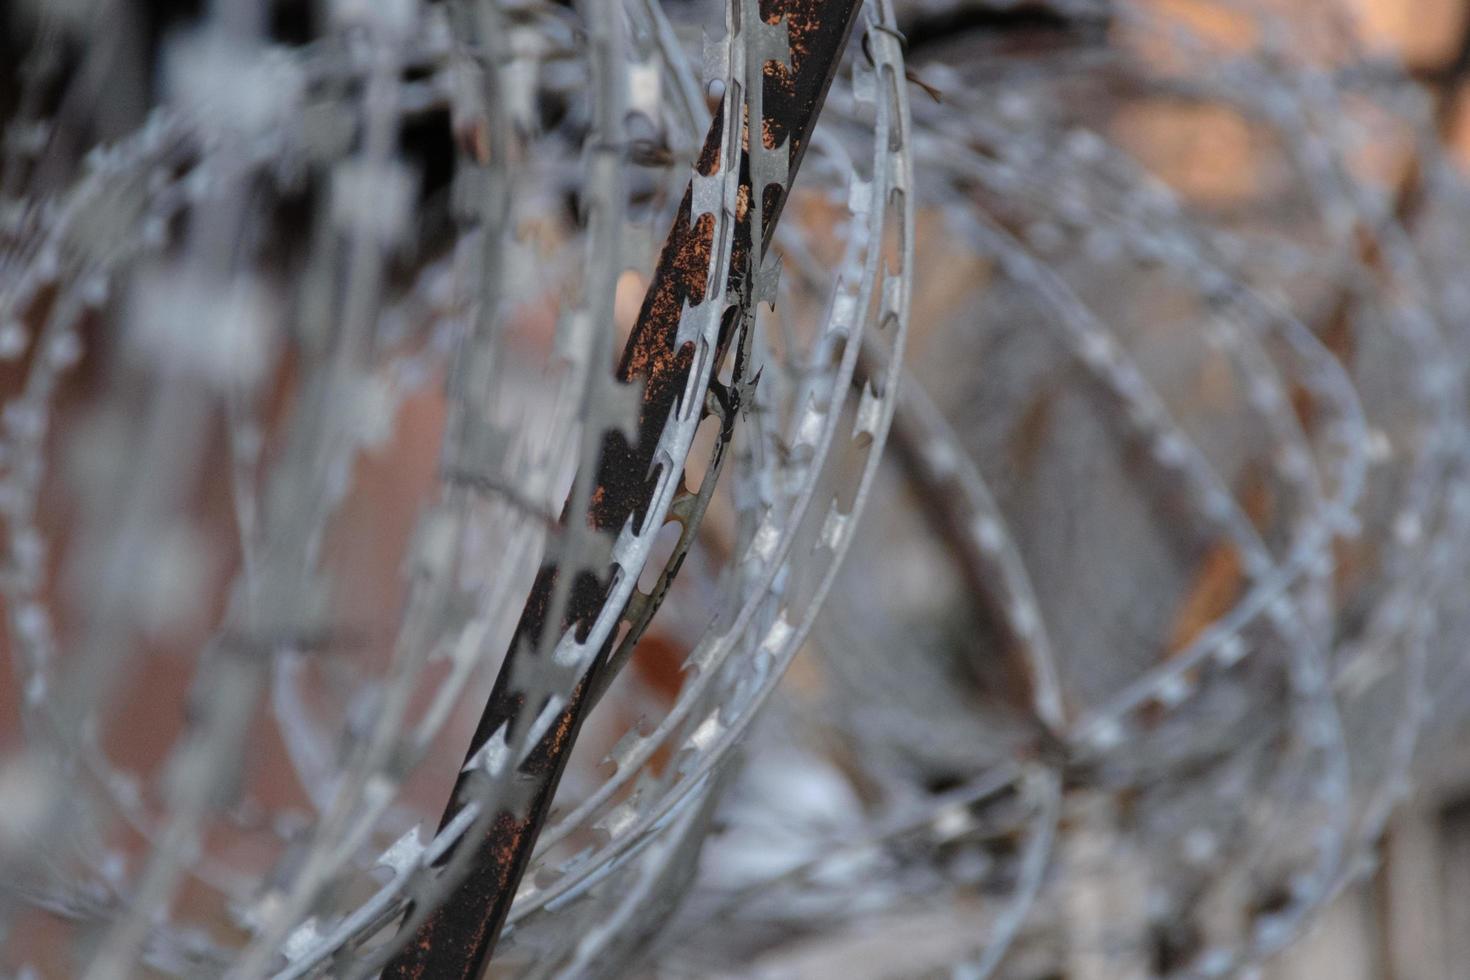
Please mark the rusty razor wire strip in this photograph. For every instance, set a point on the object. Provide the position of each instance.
(457, 938)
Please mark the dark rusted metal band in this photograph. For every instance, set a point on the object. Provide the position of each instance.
(457, 939)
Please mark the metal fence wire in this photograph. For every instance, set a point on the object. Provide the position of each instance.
(677, 488)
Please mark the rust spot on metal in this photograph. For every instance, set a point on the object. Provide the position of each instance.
(457, 939)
